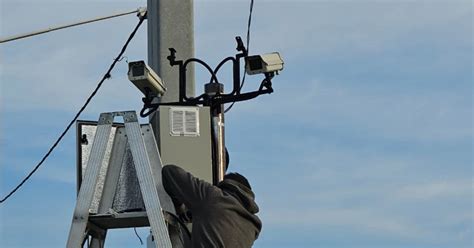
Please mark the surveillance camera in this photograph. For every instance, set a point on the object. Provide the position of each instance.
(266, 63)
(145, 79)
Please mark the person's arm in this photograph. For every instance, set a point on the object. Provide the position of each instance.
(184, 187)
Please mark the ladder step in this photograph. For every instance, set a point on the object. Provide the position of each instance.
(122, 220)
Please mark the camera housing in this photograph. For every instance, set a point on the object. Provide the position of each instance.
(266, 63)
(145, 79)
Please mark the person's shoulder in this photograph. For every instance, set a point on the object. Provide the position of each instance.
(170, 167)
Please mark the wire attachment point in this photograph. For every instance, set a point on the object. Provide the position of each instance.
(142, 12)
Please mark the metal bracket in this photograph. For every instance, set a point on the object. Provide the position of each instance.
(106, 118)
(142, 12)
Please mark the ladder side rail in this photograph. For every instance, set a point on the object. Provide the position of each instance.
(156, 166)
(146, 181)
(86, 192)
(113, 172)
(111, 180)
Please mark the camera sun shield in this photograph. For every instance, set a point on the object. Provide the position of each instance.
(266, 63)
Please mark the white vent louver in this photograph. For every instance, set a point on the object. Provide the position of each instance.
(184, 121)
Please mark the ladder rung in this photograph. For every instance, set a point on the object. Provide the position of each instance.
(121, 220)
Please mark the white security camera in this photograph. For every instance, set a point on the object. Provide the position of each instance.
(266, 63)
(145, 79)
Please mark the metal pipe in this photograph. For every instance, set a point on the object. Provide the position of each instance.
(217, 122)
(218, 126)
(21, 36)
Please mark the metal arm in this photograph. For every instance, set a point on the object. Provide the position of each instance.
(216, 99)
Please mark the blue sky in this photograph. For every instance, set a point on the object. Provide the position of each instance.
(366, 142)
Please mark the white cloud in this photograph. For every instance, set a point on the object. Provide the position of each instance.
(315, 29)
(437, 190)
(432, 115)
(412, 198)
(377, 211)
(366, 221)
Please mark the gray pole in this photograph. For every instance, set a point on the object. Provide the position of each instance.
(171, 25)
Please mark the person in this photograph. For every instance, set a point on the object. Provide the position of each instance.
(222, 215)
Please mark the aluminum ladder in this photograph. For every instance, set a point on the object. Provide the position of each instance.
(147, 163)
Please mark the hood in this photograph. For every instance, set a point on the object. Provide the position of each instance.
(241, 192)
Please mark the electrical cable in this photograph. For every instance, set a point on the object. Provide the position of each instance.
(136, 233)
(248, 44)
(106, 76)
(22, 36)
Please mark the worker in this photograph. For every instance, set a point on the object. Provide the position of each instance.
(222, 215)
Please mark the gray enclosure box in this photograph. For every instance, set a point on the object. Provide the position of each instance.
(185, 139)
(127, 196)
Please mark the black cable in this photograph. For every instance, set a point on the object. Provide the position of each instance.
(136, 233)
(198, 61)
(248, 47)
(106, 76)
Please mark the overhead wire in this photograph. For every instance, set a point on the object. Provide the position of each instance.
(22, 36)
(249, 23)
(106, 76)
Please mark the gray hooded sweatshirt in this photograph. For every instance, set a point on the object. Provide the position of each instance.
(223, 215)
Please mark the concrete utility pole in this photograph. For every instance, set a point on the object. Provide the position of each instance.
(171, 24)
